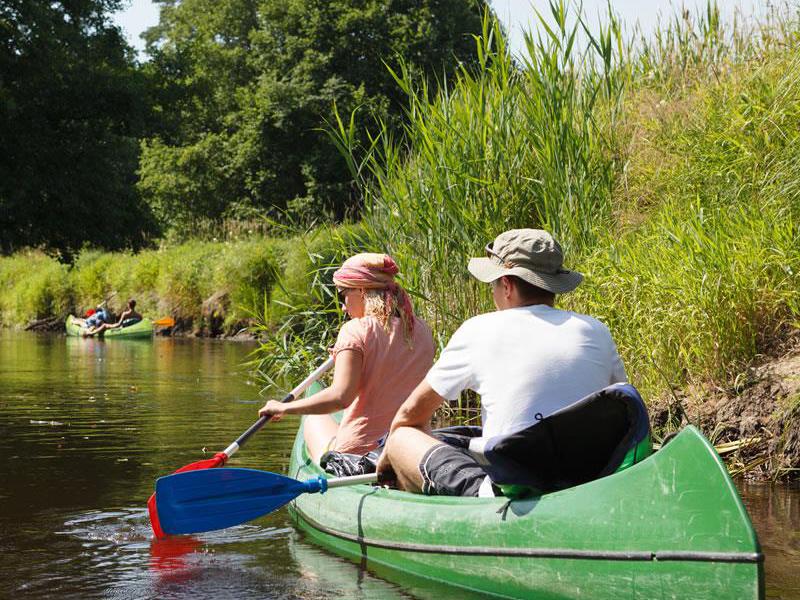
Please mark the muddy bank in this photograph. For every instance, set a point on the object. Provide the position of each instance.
(755, 424)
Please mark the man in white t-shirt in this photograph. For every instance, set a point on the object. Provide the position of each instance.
(526, 360)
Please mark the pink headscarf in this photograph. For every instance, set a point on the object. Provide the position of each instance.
(374, 271)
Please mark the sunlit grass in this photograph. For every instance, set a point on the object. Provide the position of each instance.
(667, 167)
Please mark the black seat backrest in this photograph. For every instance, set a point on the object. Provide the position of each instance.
(581, 442)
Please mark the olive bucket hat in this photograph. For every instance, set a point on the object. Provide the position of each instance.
(530, 254)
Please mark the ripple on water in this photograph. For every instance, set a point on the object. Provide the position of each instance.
(119, 558)
(131, 526)
(119, 544)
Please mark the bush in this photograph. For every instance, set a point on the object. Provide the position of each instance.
(33, 286)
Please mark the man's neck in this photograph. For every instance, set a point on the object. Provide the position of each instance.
(524, 303)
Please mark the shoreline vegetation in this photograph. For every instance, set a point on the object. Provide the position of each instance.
(210, 288)
(669, 168)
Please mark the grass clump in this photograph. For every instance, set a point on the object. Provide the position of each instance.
(509, 146)
(303, 318)
(210, 287)
(32, 286)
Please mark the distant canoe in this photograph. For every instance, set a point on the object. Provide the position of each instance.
(142, 329)
(671, 526)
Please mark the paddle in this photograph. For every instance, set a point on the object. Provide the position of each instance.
(205, 500)
(103, 304)
(107, 298)
(220, 458)
(165, 322)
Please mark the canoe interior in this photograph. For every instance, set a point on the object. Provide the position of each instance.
(672, 526)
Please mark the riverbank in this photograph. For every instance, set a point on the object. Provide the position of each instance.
(754, 421)
(210, 288)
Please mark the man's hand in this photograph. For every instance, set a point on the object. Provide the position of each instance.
(273, 409)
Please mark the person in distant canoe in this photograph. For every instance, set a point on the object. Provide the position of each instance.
(380, 355)
(129, 316)
(94, 318)
(527, 360)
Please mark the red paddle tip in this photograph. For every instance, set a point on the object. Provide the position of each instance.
(210, 463)
(154, 522)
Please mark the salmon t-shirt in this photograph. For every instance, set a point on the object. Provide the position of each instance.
(390, 370)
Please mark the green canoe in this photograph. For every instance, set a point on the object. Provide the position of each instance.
(671, 526)
(142, 329)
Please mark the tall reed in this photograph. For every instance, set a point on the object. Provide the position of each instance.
(666, 166)
(507, 146)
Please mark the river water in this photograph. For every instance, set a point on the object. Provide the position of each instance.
(86, 427)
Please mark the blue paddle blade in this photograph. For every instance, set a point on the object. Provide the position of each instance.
(205, 500)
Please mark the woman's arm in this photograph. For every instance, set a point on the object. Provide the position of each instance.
(341, 393)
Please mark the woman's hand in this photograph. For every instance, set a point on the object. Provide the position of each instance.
(273, 409)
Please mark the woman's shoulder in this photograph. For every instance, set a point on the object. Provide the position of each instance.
(371, 326)
(361, 323)
(360, 327)
(422, 326)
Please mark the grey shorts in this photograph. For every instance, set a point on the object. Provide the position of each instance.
(449, 470)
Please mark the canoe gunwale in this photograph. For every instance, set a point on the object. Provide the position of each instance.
(354, 525)
(560, 553)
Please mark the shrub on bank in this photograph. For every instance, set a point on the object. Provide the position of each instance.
(33, 286)
(195, 282)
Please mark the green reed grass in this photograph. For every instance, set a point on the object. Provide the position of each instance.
(507, 146)
(174, 280)
(666, 166)
(33, 286)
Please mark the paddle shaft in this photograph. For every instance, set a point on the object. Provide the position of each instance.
(299, 389)
(107, 298)
(352, 480)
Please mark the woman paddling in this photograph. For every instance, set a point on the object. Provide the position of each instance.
(381, 354)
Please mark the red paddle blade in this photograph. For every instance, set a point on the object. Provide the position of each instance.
(154, 522)
(152, 508)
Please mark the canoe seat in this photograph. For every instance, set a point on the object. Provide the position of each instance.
(596, 436)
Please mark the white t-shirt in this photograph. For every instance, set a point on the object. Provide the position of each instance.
(525, 363)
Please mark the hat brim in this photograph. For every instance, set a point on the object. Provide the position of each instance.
(487, 271)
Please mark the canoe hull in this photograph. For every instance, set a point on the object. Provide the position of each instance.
(141, 330)
(672, 526)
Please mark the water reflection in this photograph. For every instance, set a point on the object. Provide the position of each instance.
(775, 511)
(87, 425)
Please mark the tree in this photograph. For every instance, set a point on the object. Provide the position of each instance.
(71, 108)
(246, 86)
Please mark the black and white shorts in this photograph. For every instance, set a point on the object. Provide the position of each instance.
(448, 469)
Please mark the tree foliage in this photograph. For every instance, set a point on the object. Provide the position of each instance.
(71, 109)
(244, 87)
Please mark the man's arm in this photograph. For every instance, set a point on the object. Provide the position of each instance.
(418, 408)
(409, 439)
